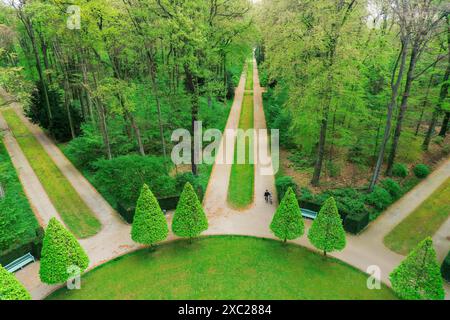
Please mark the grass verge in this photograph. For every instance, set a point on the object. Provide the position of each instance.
(423, 222)
(242, 178)
(225, 267)
(72, 209)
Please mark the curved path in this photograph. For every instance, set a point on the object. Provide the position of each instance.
(114, 239)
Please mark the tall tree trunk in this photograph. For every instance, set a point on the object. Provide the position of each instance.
(403, 108)
(442, 97)
(424, 105)
(191, 86)
(155, 90)
(395, 85)
(30, 32)
(444, 126)
(137, 132)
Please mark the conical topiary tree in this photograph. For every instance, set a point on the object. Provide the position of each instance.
(11, 288)
(61, 252)
(418, 276)
(149, 222)
(189, 219)
(287, 223)
(327, 232)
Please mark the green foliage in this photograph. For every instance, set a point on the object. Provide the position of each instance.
(379, 198)
(400, 170)
(305, 195)
(60, 252)
(283, 184)
(17, 221)
(133, 171)
(421, 171)
(445, 268)
(418, 276)
(287, 223)
(348, 200)
(59, 128)
(195, 181)
(189, 219)
(327, 232)
(11, 288)
(392, 187)
(84, 150)
(149, 223)
(439, 141)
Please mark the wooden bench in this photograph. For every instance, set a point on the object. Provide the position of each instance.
(309, 214)
(20, 263)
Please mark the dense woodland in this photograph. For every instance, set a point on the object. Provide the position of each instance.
(113, 90)
(363, 88)
(359, 88)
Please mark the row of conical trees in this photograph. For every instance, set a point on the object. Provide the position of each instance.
(417, 277)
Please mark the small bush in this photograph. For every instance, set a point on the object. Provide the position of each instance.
(445, 268)
(380, 198)
(439, 140)
(400, 170)
(393, 188)
(283, 183)
(421, 171)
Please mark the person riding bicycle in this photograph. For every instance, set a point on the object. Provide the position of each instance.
(267, 195)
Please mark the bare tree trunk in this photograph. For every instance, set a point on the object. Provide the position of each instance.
(395, 85)
(191, 85)
(424, 105)
(30, 32)
(444, 126)
(442, 98)
(403, 108)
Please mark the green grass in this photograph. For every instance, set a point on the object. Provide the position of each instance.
(74, 212)
(242, 179)
(225, 267)
(249, 80)
(18, 224)
(423, 222)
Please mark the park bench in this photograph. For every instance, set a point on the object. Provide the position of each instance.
(20, 263)
(309, 214)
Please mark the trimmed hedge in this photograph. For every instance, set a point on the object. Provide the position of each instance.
(167, 204)
(282, 185)
(11, 288)
(355, 223)
(445, 268)
(34, 247)
(18, 224)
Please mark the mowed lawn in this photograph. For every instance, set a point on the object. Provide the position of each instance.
(423, 222)
(225, 267)
(75, 213)
(240, 189)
